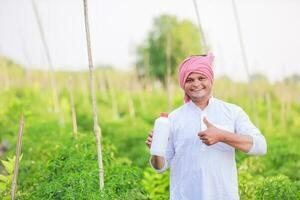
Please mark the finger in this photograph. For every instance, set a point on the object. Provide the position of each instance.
(206, 122)
(150, 134)
(205, 142)
(201, 133)
(208, 142)
(203, 137)
(149, 139)
(148, 144)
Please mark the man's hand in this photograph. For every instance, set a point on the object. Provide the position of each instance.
(157, 161)
(211, 135)
(149, 139)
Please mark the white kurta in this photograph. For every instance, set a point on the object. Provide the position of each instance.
(207, 173)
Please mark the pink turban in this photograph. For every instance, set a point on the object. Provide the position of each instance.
(198, 64)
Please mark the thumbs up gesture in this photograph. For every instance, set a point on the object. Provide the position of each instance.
(211, 135)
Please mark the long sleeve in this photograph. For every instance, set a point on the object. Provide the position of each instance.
(244, 126)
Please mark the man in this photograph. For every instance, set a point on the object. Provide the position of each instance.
(205, 132)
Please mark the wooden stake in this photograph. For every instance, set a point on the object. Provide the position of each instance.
(73, 110)
(131, 108)
(114, 102)
(241, 41)
(202, 36)
(283, 112)
(146, 80)
(269, 110)
(7, 81)
(49, 60)
(102, 88)
(18, 152)
(97, 129)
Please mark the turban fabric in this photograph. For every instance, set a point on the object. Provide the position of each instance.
(197, 64)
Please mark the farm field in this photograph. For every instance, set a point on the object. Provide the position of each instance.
(58, 164)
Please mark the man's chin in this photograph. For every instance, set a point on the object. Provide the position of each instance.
(199, 98)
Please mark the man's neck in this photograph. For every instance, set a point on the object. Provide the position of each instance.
(202, 103)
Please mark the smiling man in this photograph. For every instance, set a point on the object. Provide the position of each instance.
(205, 132)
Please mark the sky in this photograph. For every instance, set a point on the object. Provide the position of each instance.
(270, 30)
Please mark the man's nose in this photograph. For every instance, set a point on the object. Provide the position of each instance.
(196, 83)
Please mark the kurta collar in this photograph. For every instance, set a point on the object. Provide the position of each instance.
(194, 106)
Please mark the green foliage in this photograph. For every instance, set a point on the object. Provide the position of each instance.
(73, 174)
(253, 165)
(184, 40)
(260, 188)
(282, 158)
(55, 166)
(129, 138)
(123, 182)
(157, 185)
(278, 188)
(248, 185)
(6, 180)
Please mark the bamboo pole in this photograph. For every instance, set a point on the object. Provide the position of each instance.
(97, 129)
(7, 81)
(254, 108)
(241, 41)
(269, 110)
(288, 103)
(245, 60)
(49, 60)
(26, 56)
(283, 106)
(202, 36)
(114, 102)
(18, 152)
(140, 88)
(102, 88)
(73, 110)
(283, 113)
(131, 107)
(115, 107)
(142, 100)
(6, 76)
(146, 71)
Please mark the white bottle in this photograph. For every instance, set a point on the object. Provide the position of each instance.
(161, 134)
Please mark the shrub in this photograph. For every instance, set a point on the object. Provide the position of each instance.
(278, 188)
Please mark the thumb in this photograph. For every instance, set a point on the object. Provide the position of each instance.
(206, 122)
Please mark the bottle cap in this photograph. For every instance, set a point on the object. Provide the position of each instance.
(163, 114)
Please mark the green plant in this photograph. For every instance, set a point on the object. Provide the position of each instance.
(278, 188)
(6, 180)
(157, 185)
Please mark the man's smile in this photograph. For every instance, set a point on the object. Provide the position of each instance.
(196, 90)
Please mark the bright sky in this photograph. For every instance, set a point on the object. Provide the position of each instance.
(270, 28)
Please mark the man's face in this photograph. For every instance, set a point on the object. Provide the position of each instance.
(197, 86)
